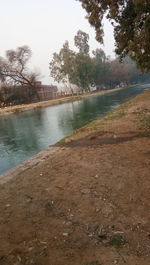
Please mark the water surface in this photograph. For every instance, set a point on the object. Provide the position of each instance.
(25, 134)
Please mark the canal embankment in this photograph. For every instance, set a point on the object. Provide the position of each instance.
(24, 134)
(87, 200)
(52, 102)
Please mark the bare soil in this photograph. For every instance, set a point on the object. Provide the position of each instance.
(87, 203)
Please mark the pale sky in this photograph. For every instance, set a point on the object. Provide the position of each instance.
(44, 25)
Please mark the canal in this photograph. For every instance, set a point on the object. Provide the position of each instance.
(25, 134)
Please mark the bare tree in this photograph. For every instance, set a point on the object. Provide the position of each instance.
(14, 70)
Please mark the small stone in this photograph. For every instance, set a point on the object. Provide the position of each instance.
(68, 223)
(96, 176)
(7, 205)
(85, 191)
(65, 234)
(118, 232)
(19, 258)
(102, 236)
(30, 248)
(115, 261)
(43, 242)
(28, 200)
(71, 215)
(41, 174)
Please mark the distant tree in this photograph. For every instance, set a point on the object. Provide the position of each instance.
(80, 69)
(81, 42)
(55, 67)
(61, 65)
(83, 72)
(118, 73)
(67, 56)
(100, 56)
(77, 68)
(101, 64)
(136, 76)
(134, 72)
(14, 71)
(131, 21)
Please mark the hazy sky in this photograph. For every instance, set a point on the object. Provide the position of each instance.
(44, 25)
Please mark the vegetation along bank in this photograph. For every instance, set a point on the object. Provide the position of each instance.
(52, 102)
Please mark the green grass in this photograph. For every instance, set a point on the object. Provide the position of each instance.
(117, 241)
(144, 125)
(115, 115)
(98, 125)
(145, 122)
(95, 262)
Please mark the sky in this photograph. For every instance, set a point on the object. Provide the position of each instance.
(44, 25)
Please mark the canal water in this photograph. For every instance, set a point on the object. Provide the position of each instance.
(25, 134)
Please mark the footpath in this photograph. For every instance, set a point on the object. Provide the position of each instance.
(86, 200)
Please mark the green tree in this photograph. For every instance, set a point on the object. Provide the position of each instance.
(101, 65)
(61, 65)
(83, 65)
(81, 42)
(77, 68)
(131, 21)
(118, 73)
(83, 72)
(135, 74)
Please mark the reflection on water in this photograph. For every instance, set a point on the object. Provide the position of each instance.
(22, 135)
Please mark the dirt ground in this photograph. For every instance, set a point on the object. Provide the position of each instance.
(89, 202)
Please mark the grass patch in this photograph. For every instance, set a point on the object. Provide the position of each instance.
(115, 115)
(144, 126)
(145, 122)
(121, 111)
(117, 241)
(16, 111)
(145, 134)
(94, 262)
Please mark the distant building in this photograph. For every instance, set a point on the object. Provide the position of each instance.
(46, 92)
(23, 94)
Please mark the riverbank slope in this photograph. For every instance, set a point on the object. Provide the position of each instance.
(52, 102)
(87, 203)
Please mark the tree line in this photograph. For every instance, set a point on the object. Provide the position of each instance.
(81, 68)
(131, 23)
(96, 70)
